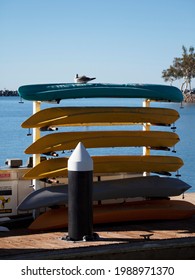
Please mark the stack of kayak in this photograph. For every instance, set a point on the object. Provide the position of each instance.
(153, 191)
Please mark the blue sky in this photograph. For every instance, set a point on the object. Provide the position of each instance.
(117, 41)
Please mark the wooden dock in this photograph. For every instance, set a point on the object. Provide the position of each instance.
(133, 240)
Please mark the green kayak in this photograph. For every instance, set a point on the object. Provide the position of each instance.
(51, 92)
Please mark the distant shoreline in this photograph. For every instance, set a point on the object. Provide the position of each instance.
(188, 97)
(8, 93)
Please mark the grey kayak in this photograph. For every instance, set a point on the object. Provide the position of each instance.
(147, 187)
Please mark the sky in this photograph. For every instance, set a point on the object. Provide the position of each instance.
(116, 41)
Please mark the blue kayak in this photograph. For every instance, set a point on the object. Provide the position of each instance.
(51, 92)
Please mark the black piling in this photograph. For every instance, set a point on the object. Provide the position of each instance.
(80, 196)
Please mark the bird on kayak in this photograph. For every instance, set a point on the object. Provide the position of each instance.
(82, 79)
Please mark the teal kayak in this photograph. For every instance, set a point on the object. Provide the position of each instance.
(51, 92)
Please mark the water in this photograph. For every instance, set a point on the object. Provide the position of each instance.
(14, 139)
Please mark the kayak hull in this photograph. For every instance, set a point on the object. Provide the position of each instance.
(85, 116)
(57, 167)
(50, 92)
(97, 139)
(145, 186)
(122, 212)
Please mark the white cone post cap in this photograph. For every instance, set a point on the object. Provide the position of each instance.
(80, 159)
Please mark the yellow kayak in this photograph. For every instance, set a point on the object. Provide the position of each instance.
(57, 167)
(76, 116)
(96, 139)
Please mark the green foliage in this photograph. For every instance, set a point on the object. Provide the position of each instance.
(182, 68)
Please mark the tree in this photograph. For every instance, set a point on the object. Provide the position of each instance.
(182, 68)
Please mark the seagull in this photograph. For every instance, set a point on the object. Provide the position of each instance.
(82, 79)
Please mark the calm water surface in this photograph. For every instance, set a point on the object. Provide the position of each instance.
(14, 139)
